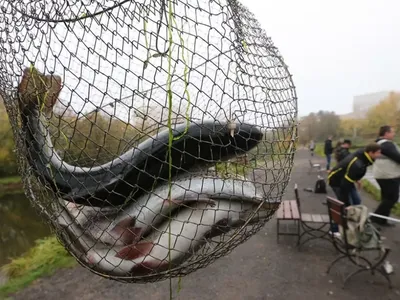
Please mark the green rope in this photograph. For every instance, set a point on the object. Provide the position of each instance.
(171, 137)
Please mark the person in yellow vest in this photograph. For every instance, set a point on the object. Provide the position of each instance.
(350, 170)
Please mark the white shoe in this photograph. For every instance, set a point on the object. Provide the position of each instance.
(388, 267)
(335, 234)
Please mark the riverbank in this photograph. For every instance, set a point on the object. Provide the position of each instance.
(43, 259)
(31, 255)
(10, 185)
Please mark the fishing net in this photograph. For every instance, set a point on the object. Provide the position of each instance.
(153, 136)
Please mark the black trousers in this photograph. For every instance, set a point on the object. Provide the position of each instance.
(389, 197)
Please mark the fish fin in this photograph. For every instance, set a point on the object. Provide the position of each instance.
(135, 251)
(221, 227)
(222, 223)
(126, 231)
(126, 223)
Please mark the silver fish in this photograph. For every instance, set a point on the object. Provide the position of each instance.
(83, 214)
(188, 230)
(140, 217)
(79, 239)
(98, 223)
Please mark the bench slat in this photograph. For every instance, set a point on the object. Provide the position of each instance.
(295, 210)
(325, 218)
(287, 211)
(316, 218)
(306, 217)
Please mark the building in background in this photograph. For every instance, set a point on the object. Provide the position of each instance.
(362, 103)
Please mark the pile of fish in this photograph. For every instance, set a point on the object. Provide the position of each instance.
(122, 216)
(154, 233)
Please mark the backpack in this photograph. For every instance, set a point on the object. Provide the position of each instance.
(361, 233)
(320, 186)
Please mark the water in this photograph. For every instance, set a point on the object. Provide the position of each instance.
(20, 226)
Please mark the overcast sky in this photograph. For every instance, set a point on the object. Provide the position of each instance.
(335, 50)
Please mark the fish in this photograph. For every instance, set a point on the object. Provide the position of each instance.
(97, 223)
(134, 172)
(143, 215)
(83, 214)
(189, 229)
(81, 243)
(185, 224)
(93, 227)
(229, 223)
(149, 210)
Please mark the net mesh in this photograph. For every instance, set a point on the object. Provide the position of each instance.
(153, 136)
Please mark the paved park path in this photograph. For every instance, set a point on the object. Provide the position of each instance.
(258, 269)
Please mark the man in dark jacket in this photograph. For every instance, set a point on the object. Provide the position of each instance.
(341, 152)
(386, 171)
(328, 149)
(350, 170)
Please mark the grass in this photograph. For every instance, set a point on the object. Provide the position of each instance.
(319, 149)
(376, 195)
(47, 256)
(10, 180)
(10, 185)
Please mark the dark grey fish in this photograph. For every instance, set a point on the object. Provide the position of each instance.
(136, 171)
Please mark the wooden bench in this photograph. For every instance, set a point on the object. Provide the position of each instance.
(338, 216)
(290, 210)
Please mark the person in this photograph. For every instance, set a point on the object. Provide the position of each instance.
(386, 171)
(350, 170)
(328, 149)
(342, 150)
(337, 147)
(312, 147)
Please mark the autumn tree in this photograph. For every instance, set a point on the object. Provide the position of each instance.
(385, 113)
(318, 126)
(352, 128)
(8, 165)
